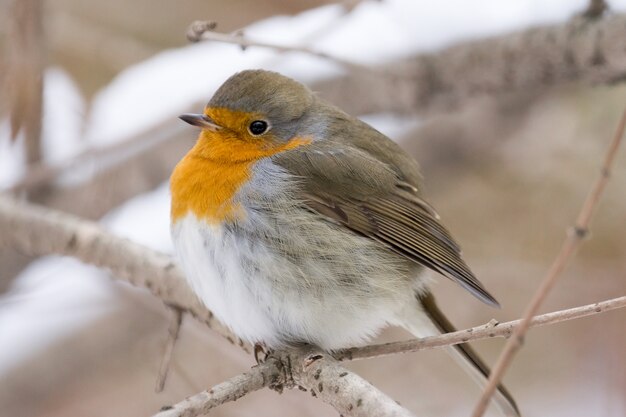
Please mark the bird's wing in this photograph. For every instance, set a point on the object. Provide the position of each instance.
(349, 186)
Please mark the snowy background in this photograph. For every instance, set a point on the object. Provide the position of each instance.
(75, 343)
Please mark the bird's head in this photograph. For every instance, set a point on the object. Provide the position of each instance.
(254, 114)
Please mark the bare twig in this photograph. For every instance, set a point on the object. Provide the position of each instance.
(571, 244)
(36, 230)
(172, 333)
(428, 82)
(236, 387)
(204, 31)
(306, 368)
(485, 331)
(527, 61)
(346, 391)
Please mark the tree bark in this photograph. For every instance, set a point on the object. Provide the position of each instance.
(581, 50)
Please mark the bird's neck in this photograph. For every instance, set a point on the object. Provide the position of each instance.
(206, 180)
(206, 188)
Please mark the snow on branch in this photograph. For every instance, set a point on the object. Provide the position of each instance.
(581, 50)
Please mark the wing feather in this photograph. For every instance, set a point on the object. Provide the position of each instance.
(352, 188)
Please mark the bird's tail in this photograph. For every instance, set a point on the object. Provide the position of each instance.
(434, 323)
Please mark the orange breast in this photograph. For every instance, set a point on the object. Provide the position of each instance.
(205, 181)
(206, 188)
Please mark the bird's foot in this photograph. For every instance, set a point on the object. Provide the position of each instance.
(311, 359)
(261, 353)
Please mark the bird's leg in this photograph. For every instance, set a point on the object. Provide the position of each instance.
(259, 348)
(311, 359)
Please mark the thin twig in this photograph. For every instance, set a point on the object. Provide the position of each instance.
(485, 331)
(227, 391)
(570, 245)
(306, 368)
(201, 30)
(172, 332)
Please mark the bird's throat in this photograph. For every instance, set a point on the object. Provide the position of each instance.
(205, 188)
(205, 185)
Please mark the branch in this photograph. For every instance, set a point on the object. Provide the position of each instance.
(522, 61)
(258, 377)
(39, 231)
(42, 231)
(571, 244)
(172, 337)
(346, 391)
(485, 331)
(306, 368)
(122, 171)
(204, 31)
(580, 50)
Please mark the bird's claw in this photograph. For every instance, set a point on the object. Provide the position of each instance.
(259, 349)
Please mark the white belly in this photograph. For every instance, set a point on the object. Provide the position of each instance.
(265, 297)
(212, 268)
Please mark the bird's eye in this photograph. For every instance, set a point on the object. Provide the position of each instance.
(258, 127)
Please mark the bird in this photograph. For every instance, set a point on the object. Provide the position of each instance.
(295, 222)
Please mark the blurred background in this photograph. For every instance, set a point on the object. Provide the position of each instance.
(89, 96)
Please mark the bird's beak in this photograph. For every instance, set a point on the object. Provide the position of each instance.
(200, 120)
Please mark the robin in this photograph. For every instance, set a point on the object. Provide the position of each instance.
(297, 223)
